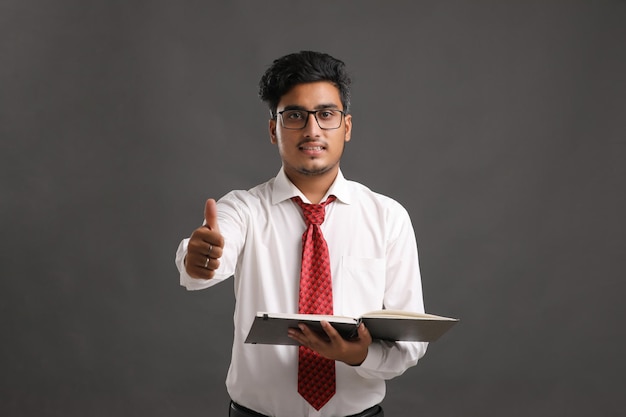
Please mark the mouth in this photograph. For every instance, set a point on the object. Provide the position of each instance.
(312, 146)
(312, 150)
(309, 148)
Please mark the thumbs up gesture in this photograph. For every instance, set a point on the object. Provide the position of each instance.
(205, 245)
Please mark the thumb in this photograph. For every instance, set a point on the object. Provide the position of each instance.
(364, 333)
(210, 215)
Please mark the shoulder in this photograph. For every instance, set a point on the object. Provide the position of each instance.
(244, 202)
(362, 195)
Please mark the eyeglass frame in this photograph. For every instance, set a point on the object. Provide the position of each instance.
(314, 113)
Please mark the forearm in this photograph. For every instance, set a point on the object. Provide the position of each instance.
(386, 360)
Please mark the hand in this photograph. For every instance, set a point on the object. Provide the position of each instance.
(205, 246)
(353, 351)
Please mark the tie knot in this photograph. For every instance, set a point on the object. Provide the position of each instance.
(314, 213)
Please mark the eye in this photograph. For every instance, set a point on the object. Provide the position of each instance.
(294, 115)
(327, 114)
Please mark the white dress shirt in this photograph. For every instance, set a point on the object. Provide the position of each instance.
(374, 265)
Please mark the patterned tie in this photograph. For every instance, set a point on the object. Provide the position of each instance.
(316, 374)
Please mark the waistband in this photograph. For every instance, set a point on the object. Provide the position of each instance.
(236, 410)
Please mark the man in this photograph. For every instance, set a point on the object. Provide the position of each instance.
(369, 257)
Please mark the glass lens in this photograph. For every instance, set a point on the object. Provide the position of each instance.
(294, 119)
(328, 118)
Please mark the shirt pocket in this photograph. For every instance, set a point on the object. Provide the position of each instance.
(362, 285)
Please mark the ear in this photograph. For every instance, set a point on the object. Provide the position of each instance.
(348, 122)
(272, 130)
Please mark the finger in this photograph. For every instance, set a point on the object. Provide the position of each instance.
(364, 334)
(202, 262)
(209, 263)
(215, 249)
(314, 338)
(296, 334)
(306, 335)
(331, 332)
(304, 329)
(210, 215)
(195, 267)
(206, 242)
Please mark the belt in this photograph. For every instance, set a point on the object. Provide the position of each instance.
(236, 410)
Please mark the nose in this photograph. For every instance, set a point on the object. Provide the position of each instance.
(312, 127)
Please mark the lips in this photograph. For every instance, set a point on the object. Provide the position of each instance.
(311, 146)
(312, 150)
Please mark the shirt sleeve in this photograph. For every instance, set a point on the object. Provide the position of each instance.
(403, 291)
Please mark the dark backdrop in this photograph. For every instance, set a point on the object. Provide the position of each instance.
(500, 125)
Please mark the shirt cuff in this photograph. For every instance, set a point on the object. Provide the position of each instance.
(375, 355)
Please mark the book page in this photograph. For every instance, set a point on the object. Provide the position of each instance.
(309, 317)
(399, 314)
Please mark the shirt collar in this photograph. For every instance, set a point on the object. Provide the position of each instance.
(284, 189)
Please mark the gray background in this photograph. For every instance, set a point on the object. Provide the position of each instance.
(500, 125)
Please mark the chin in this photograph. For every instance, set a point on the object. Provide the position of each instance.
(314, 170)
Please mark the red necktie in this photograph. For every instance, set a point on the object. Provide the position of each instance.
(316, 374)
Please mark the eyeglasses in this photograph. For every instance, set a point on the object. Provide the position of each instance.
(327, 119)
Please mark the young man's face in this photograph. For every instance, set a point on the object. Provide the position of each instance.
(312, 150)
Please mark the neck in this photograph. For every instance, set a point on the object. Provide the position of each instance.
(314, 187)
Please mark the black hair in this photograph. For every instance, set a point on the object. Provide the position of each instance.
(299, 68)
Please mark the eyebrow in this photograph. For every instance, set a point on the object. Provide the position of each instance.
(318, 107)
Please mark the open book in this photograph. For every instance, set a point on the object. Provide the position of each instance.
(391, 325)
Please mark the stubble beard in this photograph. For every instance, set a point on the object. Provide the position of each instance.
(316, 171)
